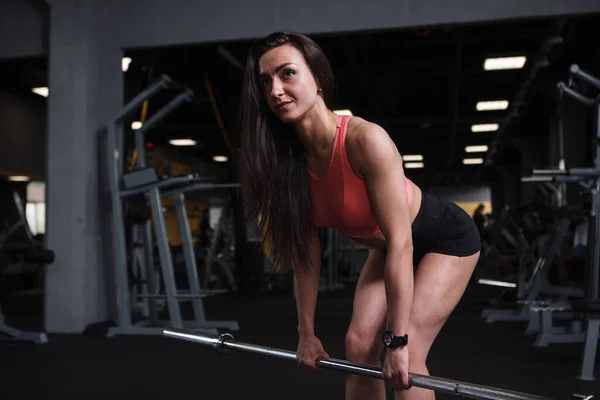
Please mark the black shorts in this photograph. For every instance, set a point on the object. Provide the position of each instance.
(443, 227)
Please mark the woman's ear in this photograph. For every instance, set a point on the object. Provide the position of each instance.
(319, 89)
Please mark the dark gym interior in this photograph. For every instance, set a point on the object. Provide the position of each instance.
(121, 212)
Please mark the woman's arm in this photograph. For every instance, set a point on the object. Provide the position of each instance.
(306, 281)
(381, 166)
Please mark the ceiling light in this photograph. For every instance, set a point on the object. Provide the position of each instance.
(476, 149)
(484, 128)
(412, 165)
(494, 64)
(136, 125)
(220, 158)
(343, 112)
(472, 161)
(18, 178)
(412, 157)
(125, 63)
(42, 91)
(492, 105)
(182, 142)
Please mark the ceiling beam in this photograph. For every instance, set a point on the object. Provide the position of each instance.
(186, 21)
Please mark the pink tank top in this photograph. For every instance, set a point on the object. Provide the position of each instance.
(340, 199)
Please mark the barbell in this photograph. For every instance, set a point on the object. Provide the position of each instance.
(226, 342)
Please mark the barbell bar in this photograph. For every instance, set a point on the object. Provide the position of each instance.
(225, 342)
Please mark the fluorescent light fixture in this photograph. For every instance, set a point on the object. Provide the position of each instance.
(412, 157)
(343, 112)
(492, 105)
(18, 178)
(125, 63)
(182, 142)
(476, 149)
(42, 91)
(472, 161)
(485, 128)
(136, 125)
(491, 282)
(413, 165)
(494, 64)
(220, 158)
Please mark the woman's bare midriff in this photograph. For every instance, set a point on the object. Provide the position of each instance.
(379, 241)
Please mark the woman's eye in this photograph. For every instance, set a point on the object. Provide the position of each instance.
(289, 73)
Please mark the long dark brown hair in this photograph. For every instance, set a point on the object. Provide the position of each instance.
(273, 168)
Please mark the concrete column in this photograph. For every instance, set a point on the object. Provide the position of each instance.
(86, 86)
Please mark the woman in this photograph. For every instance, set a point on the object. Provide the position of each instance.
(305, 167)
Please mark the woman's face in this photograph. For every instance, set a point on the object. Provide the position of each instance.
(288, 85)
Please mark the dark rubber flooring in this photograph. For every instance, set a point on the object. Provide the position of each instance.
(91, 366)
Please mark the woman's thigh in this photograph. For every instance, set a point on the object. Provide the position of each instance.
(440, 282)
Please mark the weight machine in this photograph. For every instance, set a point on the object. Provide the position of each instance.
(143, 186)
(219, 251)
(589, 179)
(26, 251)
(341, 263)
(530, 290)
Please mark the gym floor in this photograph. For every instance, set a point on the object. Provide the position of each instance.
(91, 366)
